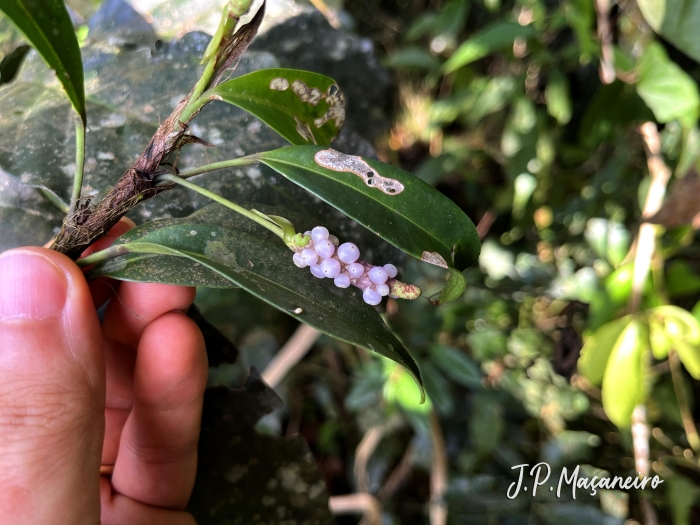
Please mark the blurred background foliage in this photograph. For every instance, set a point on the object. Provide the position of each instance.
(527, 114)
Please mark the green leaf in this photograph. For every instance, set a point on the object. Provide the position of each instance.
(623, 382)
(457, 365)
(456, 284)
(597, 348)
(303, 107)
(216, 240)
(683, 332)
(668, 90)
(676, 20)
(397, 206)
(489, 39)
(658, 340)
(557, 96)
(48, 27)
(412, 58)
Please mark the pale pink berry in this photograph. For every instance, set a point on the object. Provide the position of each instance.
(334, 240)
(299, 261)
(371, 297)
(391, 270)
(378, 275)
(348, 252)
(330, 267)
(355, 270)
(342, 280)
(309, 256)
(317, 271)
(324, 248)
(319, 233)
(382, 289)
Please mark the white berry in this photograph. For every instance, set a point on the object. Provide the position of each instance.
(371, 297)
(383, 289)
(330, 267)
(309, 256)
(391, 270)
(324, 248)
(299, 261)
(342, 280)
(317, 271)
(355, 270)
(348, 252)
(378, 275)
(319, 233)
(334, 240)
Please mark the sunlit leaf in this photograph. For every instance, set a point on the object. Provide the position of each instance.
(623, 383)
(48, 27)
(597, 348)
(557, 96)
(395, 205)
(683, 332)
(215, 240)
(489, 39)
(676, 20)
(668, 90)
(303, 107)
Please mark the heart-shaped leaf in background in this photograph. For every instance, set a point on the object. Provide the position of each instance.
(303, 107)
(397, 206)
(48, 27)
(220, 241)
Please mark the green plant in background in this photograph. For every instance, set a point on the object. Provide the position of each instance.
(532, 116)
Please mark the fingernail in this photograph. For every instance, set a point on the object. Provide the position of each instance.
(32, 286)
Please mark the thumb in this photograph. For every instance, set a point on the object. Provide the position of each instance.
(51, 391)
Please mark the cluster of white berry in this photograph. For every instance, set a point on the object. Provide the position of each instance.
(326, 257)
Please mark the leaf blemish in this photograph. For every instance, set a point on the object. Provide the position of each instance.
(333, 97)
(279, 84)
(434, 258)
(304, 130)
(336, 161)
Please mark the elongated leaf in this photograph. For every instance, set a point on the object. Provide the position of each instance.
(623, 383)
(303, 107)
(668, 90)
(48, 27)
(489, 39)
(683, 333)
(220, 241)
(596, 351)
(456, 284)
(677, 21)
(400, 208)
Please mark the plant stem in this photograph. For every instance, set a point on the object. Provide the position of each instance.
(243, 161)
(691, 430)
(194, 104)
(53, 199)
(79, 161)
(218, 198)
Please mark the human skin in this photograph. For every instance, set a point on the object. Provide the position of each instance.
(76, 395)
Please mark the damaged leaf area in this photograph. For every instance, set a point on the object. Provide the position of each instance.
(415, 218)
(225, 246)
(303, 107)
(336, 161)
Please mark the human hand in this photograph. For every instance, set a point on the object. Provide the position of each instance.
(75, 395)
